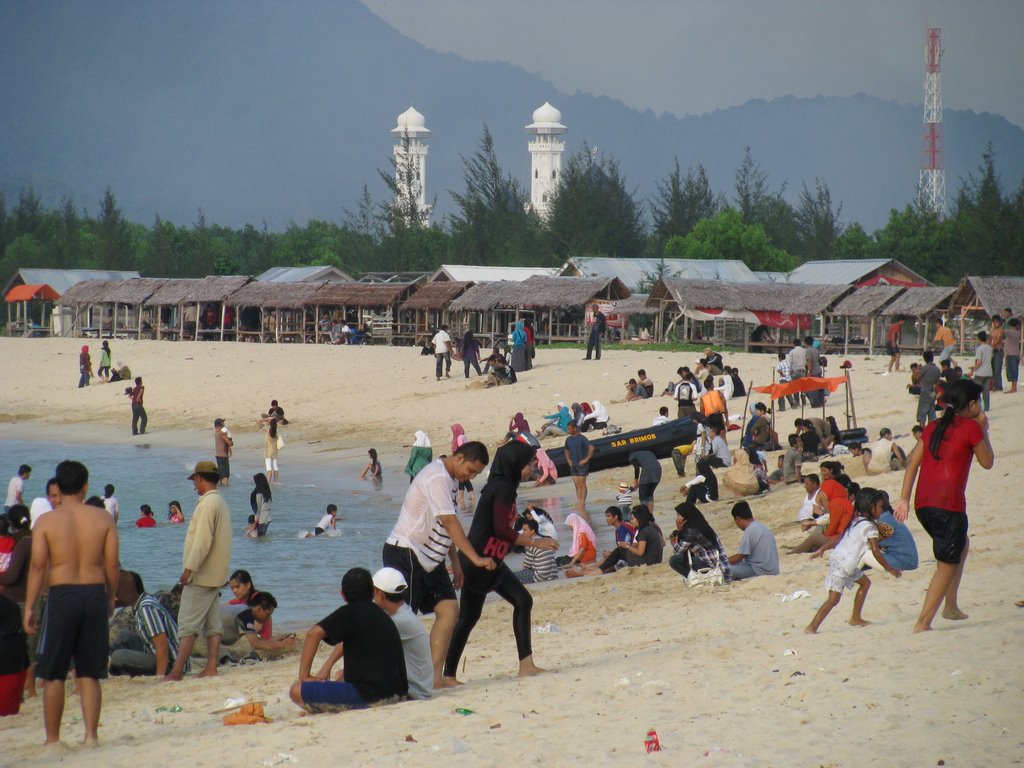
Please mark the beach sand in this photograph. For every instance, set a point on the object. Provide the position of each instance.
(724, 675)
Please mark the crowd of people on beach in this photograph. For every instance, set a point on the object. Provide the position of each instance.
(61, 580)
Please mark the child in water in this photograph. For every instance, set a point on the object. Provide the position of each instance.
(328, 521)
(844, 566)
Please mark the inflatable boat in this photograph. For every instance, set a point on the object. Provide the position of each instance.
(613, 450)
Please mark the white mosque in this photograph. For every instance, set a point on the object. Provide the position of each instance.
(546, 149)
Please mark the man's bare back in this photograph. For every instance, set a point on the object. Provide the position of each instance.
(80, 543)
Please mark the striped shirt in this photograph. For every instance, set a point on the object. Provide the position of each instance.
(419, 527)
(151, 619)
(538, 565)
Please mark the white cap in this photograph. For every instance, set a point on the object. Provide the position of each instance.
(390, 580)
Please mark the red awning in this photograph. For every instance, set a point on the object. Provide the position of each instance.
(31, 293)
(882, 280)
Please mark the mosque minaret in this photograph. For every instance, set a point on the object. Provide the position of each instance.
(546, 148)
(411, 133)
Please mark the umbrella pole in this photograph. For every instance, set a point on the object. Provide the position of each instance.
(746, 408)
(849, 391)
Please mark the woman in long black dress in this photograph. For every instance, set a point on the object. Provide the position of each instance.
(492, 534)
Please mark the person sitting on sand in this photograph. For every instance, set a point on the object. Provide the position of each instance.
(546, 473)
(661, 418)
(844, 566)
(899, 547)
(624, 532)
(557, 423)
(545, 523)
(886, 455)
(646, 547)
(757, 554)
(815, 503)
(371, 646)
(389, 588)
(242, 588)
(584, 543)
(539, 563)
(250, 622)
(696, 544)
(835, 488)
(154, 624)
(500, 372)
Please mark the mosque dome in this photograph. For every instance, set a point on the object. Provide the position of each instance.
(412, 120)
(546, 114)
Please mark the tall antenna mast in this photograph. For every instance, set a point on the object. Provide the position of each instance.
(933, 176)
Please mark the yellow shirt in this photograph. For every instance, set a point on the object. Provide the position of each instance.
(945, 335)
(208, 541)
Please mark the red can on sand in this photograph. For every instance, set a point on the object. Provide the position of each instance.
(651, 743)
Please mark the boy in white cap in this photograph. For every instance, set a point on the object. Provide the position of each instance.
(389, 594)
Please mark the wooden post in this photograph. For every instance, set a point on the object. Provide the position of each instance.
(223, 312)
(871, 335)
(853, 406)
(195, 334)
(846, 337)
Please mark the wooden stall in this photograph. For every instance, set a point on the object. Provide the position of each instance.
(373, 308)
(197, 308)
(852, 323)
(276, 312)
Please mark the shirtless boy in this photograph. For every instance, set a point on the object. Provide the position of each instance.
(78, 543)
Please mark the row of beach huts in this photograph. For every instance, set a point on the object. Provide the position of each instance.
(850, 304)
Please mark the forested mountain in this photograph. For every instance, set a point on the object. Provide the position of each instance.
(277, 112)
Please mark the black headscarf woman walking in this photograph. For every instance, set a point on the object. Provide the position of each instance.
(492, 533)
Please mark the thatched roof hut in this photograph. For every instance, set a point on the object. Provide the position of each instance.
(272, 295)
(372, 295)
(191, 290)
(133, 291)
(918, 302)
(990, 295)
(735, 306)
(482, 297)
(556, 292)
(867, 301)
(436, 295)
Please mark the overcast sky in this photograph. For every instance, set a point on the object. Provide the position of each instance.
(695, 56)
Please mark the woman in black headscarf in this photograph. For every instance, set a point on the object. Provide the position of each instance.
(469, 349)
(492, 533)
(646, 547)
(696, 544)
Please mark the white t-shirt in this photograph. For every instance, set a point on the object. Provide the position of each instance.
(807, 508)
(850, 550)
(726, 387)
(419, 667)
(431, 494)
(659, 420)
(440, 341)
(113, 506)
(720, 448)
(14, 488)
(40, 506)
(325, 522)
(881, 453)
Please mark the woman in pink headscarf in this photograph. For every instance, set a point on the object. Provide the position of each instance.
(459, 439)
(548, 472)
(584, 543)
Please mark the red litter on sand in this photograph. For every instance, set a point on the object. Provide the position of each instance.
(651, 743)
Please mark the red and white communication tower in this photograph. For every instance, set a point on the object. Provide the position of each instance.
(933, 177)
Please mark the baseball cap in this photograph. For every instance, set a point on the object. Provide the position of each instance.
(204, 468)
(390, 581)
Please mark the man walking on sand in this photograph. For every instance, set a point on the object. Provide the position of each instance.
(77, 544)
(442, 352)
(205, 563)
(139, 418)
(427, 531)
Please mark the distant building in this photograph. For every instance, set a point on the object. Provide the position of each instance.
(639, 275)
(411, 159)
(546, 148)
(320, 274)
(461, 273)
(859, 272)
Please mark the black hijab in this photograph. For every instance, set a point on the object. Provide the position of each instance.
(695, 520)
(509, 461)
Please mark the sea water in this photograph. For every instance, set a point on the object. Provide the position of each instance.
(304, 574)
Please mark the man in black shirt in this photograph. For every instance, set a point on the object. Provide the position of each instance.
(367, 639)
(596, 332)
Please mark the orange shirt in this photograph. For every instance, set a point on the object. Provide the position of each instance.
(589, 551)
(945, 335)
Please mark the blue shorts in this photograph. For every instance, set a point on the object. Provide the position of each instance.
(330, 696)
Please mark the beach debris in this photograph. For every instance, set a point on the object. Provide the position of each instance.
(789, 652)
(955, 672)
(800, 593)
(458, 746)
(280, 757)
(248, 714)
(651, 742)
(462, 711)
(622, 682)
(546, 628)
(660, 685)
(409, 738)
(798, 673)
(492, 726)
